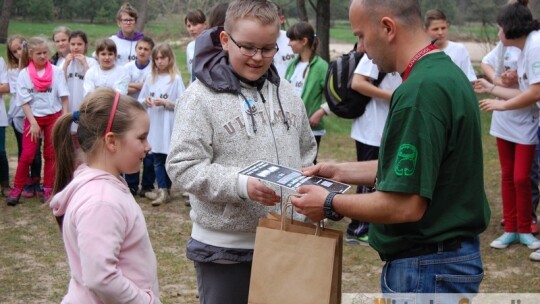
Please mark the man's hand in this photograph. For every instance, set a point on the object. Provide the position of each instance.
(310, 202)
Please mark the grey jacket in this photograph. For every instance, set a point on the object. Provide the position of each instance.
(222, 127)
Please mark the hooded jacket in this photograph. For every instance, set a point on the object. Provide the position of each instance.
(223, 125)
(107, 244)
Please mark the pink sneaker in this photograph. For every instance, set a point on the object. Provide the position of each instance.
(46, 194)
(28, 191)
(13, 197)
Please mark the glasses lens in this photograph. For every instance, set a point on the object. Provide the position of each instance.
(269, 52)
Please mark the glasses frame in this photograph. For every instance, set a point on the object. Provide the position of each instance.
(128, 21)
(251, 51)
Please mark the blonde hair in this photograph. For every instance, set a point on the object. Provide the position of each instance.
(264, 11)
(29, 47)
(166, 51)
(128, 9)
(12, 61)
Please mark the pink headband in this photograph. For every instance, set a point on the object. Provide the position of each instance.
(113, 111)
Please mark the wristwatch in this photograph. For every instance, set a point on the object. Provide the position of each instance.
(328, 208)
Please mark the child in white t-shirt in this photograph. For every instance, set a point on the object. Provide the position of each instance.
(16, 117)
(437, 27)
(43, 95)
(75, 66)
(195, 23)
(108, 73)
(160, 93)
(138, 70)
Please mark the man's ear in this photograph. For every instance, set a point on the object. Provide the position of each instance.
(389, 26)
(224, 38)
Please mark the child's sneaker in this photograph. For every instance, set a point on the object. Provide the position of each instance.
(46, 194)
(28, 191)
(529, 240)
(535, 256)
(504, 240)
(357, 240)
(13, 197)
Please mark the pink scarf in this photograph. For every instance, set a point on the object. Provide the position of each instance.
(40, 83)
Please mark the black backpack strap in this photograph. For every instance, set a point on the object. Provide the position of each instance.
(379, 79)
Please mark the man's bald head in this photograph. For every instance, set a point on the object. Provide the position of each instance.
(406, 11)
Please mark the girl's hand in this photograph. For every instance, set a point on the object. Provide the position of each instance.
(34, 132)
(482, 86)
(258, 192)
(80, 57)
(315, 119)
(69, 58)
(491, 105)
(158, 102)
(148, 102)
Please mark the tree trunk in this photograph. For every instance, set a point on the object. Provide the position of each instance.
(302, 12)
(4, 20)
(141, 6)
(323, 28)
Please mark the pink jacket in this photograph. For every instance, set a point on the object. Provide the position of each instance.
(106, 240)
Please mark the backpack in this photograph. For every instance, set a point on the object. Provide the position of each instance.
(342, 100)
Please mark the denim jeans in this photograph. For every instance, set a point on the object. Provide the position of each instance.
(4, 167)
(163, 180)
(148, 176)
(452, 273)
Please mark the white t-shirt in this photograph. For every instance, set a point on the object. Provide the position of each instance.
(368, 128)
(116, 78)
(509, 58)
(137, 75)
(298, 79)
(42, 103)
(520, 125)
(15, 112)
(161, 119)
(284, 55)
(4, 79)
(75, 81)
(460, 56)
(190, 53)
(125, 50)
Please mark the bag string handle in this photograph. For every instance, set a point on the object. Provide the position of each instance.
(318, 226)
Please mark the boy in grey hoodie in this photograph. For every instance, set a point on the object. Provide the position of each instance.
(236, 113)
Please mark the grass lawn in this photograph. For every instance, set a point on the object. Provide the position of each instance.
(33, 266)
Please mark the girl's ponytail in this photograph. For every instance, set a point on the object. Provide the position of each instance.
(64, 150)
(25, 55)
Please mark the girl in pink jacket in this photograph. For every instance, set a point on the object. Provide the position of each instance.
(107, 244)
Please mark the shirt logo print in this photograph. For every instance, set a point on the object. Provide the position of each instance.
(406, 160)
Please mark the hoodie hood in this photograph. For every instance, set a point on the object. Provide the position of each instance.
(82, 175)
(211, 64)
(136, 36)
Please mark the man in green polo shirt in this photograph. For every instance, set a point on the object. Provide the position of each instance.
(430, 203)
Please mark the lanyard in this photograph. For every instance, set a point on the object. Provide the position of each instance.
(417, 57)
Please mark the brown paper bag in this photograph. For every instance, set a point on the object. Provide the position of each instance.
(295, 263)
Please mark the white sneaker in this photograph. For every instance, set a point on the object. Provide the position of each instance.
(535, 256)
(504, 240)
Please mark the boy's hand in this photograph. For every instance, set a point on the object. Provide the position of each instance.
(260, 193)
(148, 102)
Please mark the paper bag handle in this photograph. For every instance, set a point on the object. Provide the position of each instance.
(319, 224)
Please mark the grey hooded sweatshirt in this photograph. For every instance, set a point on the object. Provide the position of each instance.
(223, 125)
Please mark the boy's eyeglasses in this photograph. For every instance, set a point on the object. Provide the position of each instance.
(251, 50)
(128, 20)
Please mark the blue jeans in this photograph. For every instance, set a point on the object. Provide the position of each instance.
(4, 167)
(163, 180)
(148, 175)
(452, 272)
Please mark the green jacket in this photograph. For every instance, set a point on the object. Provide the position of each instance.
(312, 95)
